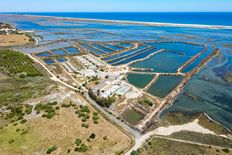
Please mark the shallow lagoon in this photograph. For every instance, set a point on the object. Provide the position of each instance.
(164, 85)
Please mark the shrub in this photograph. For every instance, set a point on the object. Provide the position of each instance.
(105, 137)
(51, 149)
(92, 136)
(78, 141)
(226, 150)
(11, 141)
(23, 121)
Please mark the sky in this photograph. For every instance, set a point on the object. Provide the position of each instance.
(115, 5)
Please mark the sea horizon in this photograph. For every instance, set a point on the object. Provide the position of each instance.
(197, 18)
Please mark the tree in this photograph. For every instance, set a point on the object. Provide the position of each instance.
(92, 136)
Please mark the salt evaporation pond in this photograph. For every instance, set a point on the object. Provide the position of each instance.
(139, 80)
(186, 48)
(164, 85)
(167, 62)
(59, 52)
(61, 59)
(44, 54)
(48, 61)
(72, 50)
(198, 60)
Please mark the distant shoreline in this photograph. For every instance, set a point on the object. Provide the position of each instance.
(132, 22)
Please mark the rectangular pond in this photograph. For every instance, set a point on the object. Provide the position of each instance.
(164, 85)
(44, 54)
(196, 62)
(165, 62)
(125, 45)
(48, 61)
(139, 80)
(72, 50)
(185, 48)
(91, 49)
(98, 46)
(132, 116)
(137, 56)
(60, 59)
(116, 48)
(59, 52)
(126, 53)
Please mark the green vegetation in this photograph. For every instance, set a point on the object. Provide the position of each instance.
(15, 62)
(95, 117)
(14, 138)
(226, 150)
(80, 146)
(132, 116)
(51, 149)
(146, 102)
(161, 146)
(83, 113)
(177, 118)
(14, 90)
(203, 138)
(17, 112)
(92, 136)
(104, 102)
(211, 125)
(48, 109)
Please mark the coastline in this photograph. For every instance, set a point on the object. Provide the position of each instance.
(132, 22)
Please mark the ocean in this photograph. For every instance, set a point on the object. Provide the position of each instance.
(202, 18)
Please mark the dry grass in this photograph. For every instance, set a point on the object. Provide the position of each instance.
(14, 40)
(63, 129)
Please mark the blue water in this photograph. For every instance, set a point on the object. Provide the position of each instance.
(126, 53)
(205, 18)
(44, 54)
(72, 50)
(61, 59)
